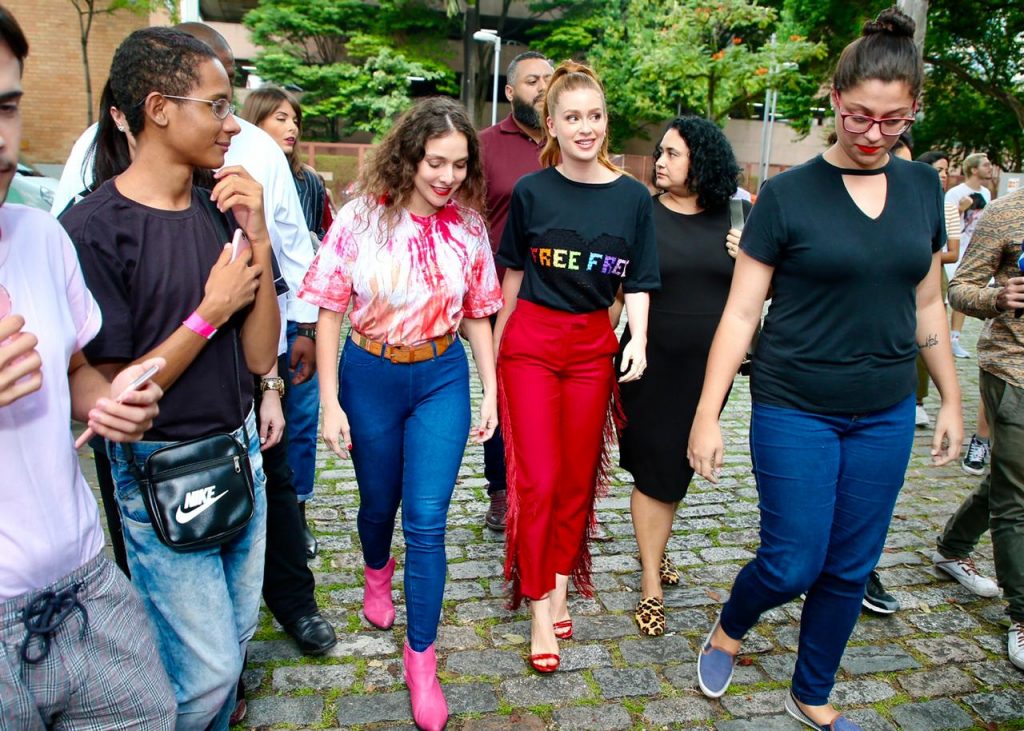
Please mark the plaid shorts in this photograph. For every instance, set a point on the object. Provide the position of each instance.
(98, 669)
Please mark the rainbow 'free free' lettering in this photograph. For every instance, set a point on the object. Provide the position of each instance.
(576, 260)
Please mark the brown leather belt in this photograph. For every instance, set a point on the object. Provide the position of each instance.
(404, 353)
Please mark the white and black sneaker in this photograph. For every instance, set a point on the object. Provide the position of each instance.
(877, 599)
(977, 456)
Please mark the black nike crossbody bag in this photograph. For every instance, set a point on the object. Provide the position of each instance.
(199, 494)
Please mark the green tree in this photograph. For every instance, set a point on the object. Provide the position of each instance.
(832, 24)
(658, 59)
(345, 56)
(88, 10)
(975, 95)
(974, 55)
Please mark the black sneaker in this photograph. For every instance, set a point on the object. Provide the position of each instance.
(877, 599)
(976, 457)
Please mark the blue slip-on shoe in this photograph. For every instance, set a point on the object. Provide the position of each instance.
(714, 667)
(839, 723)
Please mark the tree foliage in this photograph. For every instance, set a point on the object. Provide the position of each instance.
(88, 10)
(975, 95)
(661, 58)
(354, 61)
(974, 54)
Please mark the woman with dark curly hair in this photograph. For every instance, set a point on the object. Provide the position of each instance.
(696, 171)
(411, 253)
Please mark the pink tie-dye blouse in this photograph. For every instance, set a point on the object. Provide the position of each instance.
(417, 284)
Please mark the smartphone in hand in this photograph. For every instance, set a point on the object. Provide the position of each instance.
(737, 216)
(239, 243)
(135, 385)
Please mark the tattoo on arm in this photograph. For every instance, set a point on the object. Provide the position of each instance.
(930, 341)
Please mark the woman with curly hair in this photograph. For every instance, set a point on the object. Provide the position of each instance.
(696, 172)
(412, 256)
(577, 230)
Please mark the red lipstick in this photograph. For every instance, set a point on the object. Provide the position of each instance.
(868, 150)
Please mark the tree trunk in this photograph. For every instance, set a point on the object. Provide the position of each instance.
(85, 18)
(918, 10)
(88, 81)
(710, 113)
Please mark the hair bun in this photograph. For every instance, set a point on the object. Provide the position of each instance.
(892, 21)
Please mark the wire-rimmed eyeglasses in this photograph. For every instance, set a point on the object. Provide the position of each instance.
(221, 107)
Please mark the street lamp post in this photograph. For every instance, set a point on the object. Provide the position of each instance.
(490, 36)
(771, 100)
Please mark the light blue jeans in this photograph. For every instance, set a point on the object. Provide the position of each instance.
(302, 415)
(203, 604)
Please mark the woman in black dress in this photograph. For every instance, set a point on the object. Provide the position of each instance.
(696, 171)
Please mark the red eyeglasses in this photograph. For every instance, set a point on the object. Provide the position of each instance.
(858, 124)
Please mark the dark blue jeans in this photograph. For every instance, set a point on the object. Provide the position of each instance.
(302, 416)
(827, 487)
(410, 424)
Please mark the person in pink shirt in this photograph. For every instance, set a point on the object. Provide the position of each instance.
(412, 257)
(63, 605)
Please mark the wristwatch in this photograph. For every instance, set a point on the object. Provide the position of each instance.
(307, 332)
(272, 384)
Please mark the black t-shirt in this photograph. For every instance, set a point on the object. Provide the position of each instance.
(839, 336)
(147, 269)
(576, 242)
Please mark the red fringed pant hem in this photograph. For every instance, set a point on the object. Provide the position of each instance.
(556, 383)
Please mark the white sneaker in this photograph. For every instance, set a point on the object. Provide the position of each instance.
(958, 349)
(1015, 644)
(964, 571)
(921, 417)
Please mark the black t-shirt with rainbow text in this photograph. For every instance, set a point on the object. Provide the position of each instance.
(577, 242)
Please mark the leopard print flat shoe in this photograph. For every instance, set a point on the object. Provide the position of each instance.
(650, 616)
(667, 570)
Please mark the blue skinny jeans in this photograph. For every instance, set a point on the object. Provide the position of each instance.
(410, 424)
(827, 486)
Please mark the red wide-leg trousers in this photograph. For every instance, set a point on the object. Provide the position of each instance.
(556, 379)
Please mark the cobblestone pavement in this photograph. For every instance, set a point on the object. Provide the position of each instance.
(940, 663)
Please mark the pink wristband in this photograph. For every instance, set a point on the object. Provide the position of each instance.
(199, 326)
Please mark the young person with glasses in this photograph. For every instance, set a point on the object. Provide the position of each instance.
(155, 257)
(850, 245)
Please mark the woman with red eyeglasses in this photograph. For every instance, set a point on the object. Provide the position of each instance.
(849, 244)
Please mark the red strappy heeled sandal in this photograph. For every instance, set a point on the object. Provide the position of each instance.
(563, 629)
(541, 657)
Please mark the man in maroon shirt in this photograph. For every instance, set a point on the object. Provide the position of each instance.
(510, 150)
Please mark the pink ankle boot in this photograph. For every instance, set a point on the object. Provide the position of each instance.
(429, 708)
(377, 605)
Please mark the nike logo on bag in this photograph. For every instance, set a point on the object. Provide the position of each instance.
(197, 501)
